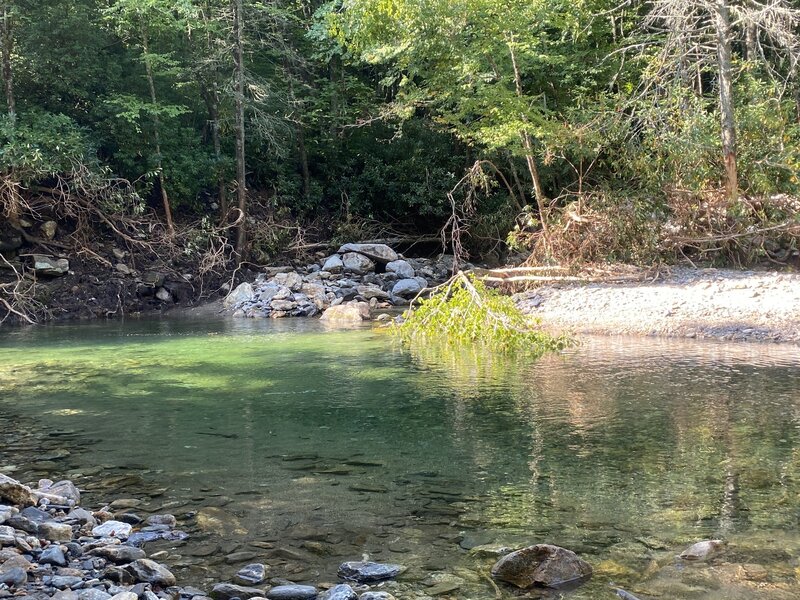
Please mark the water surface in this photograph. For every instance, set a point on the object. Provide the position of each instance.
(303, 447)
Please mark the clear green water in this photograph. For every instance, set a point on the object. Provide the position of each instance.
(306, 447)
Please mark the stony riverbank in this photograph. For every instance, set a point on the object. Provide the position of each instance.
(690, 303)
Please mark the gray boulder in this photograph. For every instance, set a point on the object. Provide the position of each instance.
(402, 268)
(378, 252)
(357, 263)
(333, 264)
(243, 293)
(372, 291)
(409, 288)
(542, 564)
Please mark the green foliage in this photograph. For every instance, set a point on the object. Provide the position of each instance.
(464, 312)
(41, 145)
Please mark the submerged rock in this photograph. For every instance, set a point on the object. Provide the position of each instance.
(251, 574)
(149, 571)
(340, 592)
(542, 564)
(226, 591)
(367, 572)
(702, 550)
(292, 592)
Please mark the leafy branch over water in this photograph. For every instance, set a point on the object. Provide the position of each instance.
(463, 311)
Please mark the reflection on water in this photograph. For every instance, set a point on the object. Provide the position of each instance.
(303, 447)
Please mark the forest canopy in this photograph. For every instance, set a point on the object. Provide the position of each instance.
(587, 130)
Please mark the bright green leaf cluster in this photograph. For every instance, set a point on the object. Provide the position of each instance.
(464, 312)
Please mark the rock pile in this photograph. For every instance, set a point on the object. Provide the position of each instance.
(52, 549)
(370, 274)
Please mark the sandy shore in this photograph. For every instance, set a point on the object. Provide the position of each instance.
(704, 303)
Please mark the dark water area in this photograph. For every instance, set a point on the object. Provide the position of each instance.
(300, 447)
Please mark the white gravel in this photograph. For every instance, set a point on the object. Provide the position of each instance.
(704, 303)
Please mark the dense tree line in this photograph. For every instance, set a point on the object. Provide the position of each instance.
(597, 129)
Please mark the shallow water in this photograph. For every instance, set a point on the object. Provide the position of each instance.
(305, 447)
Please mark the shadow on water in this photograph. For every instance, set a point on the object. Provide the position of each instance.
(304, 447)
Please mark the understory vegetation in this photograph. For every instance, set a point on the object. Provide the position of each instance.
(228, 131)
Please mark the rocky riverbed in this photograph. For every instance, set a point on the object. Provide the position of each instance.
(692, 303)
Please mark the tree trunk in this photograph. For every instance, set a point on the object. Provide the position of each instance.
(530, 160)
(211, 97)
(156, 130)
(241, 189)
(723, 26)
(301, 147)
(8, 47)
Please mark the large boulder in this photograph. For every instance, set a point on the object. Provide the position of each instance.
(357, 263)
(378, 252)
(227, 591)
(409, 288)
(243, 293)
(347, 313)
(402, 268)
(333, 264)
(543, 565)
(291, 280)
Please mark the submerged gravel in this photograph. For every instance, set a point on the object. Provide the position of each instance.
(693, 303)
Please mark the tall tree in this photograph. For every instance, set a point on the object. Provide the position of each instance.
(700, 35)
(239, 76)
(7, 41)
(136, 20)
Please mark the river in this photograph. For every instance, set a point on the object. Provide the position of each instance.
(301, 447)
